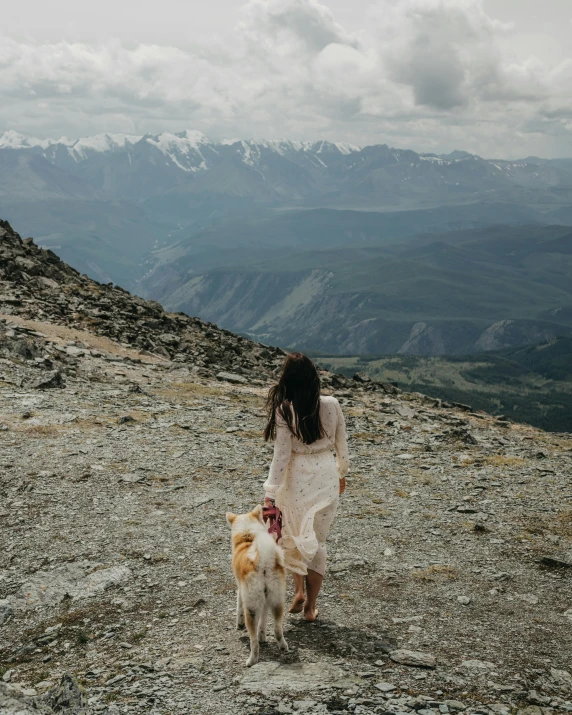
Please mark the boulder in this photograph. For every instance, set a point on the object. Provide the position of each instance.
(413, 658)
(270, 677)
(67, 697)
(51, 380)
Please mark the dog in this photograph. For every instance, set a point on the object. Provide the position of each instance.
(258, 565)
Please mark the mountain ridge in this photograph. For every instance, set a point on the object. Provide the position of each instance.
(192, 152)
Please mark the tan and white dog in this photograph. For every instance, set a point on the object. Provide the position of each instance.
(258, 565)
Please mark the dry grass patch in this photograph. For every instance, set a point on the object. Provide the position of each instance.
(42, 430)
(436, 572)
(563, 523)
(500, 460)
(181, 389)
(366, 436)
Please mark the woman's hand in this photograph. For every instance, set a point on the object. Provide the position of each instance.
(342, 485)
(268, 503)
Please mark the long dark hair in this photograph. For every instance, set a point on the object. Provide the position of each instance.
(296, 398)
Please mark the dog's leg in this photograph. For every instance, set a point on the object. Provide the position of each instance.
(262, 624)
(278, 613)
(239, 610)
(252, 618)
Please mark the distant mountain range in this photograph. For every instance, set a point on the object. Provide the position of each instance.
(188, 165)
(319, 245)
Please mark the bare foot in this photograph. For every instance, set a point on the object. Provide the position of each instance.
(310, 614)
(297, 604)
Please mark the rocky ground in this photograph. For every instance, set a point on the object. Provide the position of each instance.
(450, 560)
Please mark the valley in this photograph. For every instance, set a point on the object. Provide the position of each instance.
(531, 384)
(362, 289)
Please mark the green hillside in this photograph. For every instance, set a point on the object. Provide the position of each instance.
(347, 282)
(531, 384)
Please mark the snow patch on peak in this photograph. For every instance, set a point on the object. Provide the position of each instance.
(102, 143)
(183, 149)
(183, 141)
(14, 140)
(346, 148)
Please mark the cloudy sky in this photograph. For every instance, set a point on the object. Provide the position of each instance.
(489, 76)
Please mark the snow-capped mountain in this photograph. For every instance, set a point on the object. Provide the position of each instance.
(276, 171)
(107, 199)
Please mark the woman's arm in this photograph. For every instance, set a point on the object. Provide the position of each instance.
(281, 459)
(341, 444)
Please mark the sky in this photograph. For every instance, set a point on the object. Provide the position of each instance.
(493, 77)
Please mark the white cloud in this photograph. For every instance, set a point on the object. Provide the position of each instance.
(430, 74)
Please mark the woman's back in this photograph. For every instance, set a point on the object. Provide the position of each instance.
(333, 424)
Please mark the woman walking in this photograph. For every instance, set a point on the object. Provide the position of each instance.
(305, 479)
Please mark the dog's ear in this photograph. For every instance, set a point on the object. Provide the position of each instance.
(257, 511)
(230, 517)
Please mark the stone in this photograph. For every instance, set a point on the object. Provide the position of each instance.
(561, 677)
(413, 658)
(346, 565)
(14, 702)
(530, 710)
(49, 381)
(528, 598)
(232, 378)
(535, 698)
(75, 351)
(271, 676)
(455, 705)
(477, 665)
(71, 580)
(67, 697)
(385, 687)
(6, 611)
(555, 563)
(132, 478)
(464, 600)
(404, 411)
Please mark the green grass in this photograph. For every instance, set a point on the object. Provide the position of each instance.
(531, 384)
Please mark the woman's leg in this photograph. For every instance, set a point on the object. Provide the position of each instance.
(298, 602)
(313, 586)
(317, 567)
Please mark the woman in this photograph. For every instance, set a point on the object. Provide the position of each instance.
(305, 479)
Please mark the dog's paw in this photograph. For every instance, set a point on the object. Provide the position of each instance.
(283, 645)
(262, 637)
(251, 661)
(240, 626)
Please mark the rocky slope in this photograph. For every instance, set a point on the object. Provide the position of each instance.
(450, 559)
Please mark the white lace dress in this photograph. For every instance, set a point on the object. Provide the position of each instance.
(304, 482)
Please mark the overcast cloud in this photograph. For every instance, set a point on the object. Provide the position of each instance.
(431, 75)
